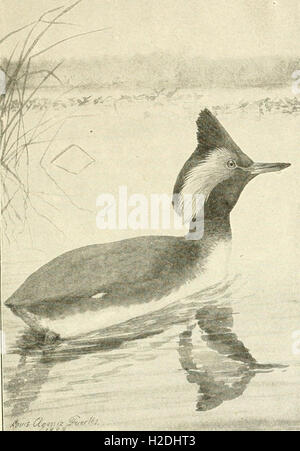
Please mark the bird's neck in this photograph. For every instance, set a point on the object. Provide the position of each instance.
(214, 219)
(213, 248)
(210, 227)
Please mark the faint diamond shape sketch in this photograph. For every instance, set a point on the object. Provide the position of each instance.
(73, 160)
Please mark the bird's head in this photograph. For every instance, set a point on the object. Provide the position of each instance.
(216, 173)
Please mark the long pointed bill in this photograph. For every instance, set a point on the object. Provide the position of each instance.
(262, 168)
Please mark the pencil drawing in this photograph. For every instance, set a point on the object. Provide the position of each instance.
(142, 270)
(17, 139)
(130, 325)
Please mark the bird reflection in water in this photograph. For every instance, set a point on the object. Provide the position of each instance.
(224, 367)
(219, 363)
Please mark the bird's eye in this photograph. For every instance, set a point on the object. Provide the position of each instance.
(231, 164)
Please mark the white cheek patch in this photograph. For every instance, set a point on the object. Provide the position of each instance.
(200, 182)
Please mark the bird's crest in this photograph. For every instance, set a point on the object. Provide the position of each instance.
(211, 134)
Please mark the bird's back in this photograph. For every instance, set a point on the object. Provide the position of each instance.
(123, 268)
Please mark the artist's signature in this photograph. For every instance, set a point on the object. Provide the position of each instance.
(41, 424)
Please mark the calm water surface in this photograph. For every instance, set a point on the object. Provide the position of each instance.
(224, 358)
(219, 359)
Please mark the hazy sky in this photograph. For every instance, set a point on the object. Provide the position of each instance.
(214, 28)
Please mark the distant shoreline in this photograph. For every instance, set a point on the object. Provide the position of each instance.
(163, 70)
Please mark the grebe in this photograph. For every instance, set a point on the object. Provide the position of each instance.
(103, 284)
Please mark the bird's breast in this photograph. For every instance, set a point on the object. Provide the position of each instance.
(216, 265)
